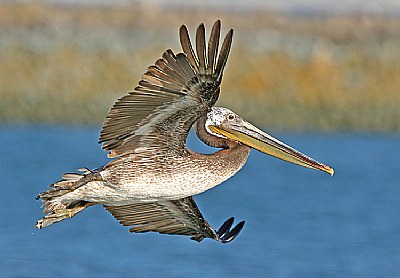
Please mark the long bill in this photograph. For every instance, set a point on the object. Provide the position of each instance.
(255, 138)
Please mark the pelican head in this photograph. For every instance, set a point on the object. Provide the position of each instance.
(223, 123)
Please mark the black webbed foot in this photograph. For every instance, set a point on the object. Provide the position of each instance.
(225, 233)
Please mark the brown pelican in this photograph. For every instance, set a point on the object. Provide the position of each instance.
(150, 183)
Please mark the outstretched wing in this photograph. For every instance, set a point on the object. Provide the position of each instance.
(178, 217)
(156, 117)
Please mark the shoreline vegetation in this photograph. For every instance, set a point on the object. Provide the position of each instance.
(68, 64)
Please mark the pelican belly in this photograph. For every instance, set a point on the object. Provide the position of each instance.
(131, 182)
(169, 188)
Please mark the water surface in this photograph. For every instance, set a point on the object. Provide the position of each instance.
(299, 222)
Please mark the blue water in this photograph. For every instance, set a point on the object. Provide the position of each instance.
(299, 222)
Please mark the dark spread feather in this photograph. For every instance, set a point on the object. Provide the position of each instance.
(201, 48)
(178, 217)
(187, 46)
(156, 117)
(213, 47)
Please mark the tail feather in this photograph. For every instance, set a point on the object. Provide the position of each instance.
(60, 212)
(54, 209)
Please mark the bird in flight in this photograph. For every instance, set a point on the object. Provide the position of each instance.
(150, 183)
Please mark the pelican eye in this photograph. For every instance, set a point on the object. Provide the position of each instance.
(231, 117)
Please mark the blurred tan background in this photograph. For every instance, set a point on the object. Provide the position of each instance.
(67, 64)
